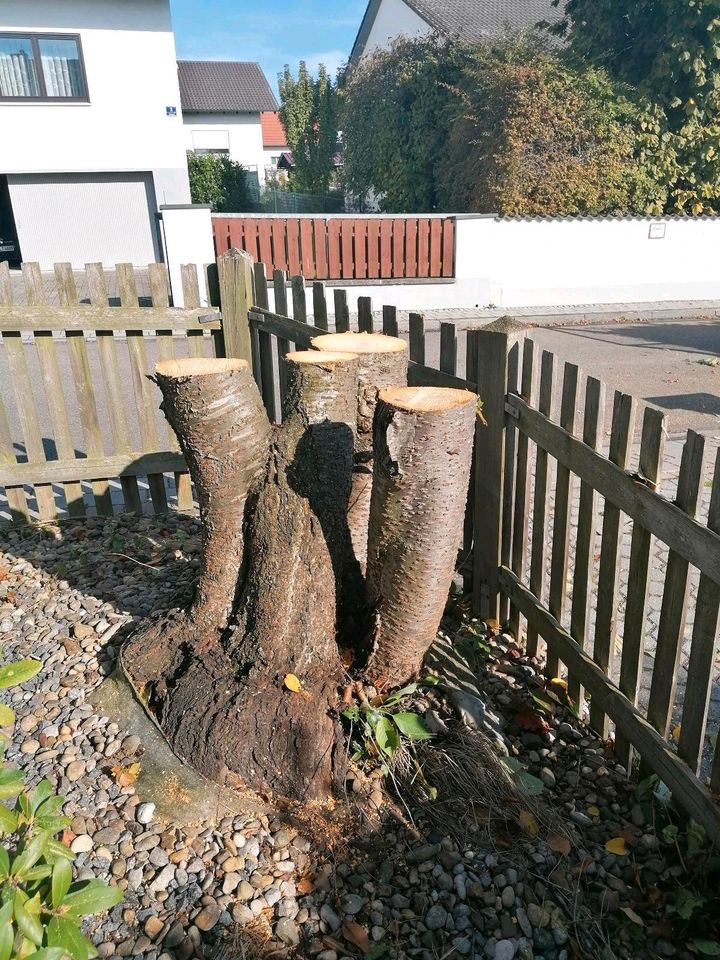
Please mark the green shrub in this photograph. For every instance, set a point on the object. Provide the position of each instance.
(41, 909)
(219, 181)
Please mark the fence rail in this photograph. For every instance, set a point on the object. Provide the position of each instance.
(343, 248)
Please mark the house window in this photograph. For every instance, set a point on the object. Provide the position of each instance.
(41, 67)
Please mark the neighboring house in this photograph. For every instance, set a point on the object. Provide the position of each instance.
(385, 20)
(222, 104)
(274, 141)
(91, 140)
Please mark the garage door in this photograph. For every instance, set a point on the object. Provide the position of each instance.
(85, 218)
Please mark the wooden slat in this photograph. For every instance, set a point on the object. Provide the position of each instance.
(342, 311)
(365, 315)
(265, 244)
(593, 422)
(84, 317)
(279, 240)
(33, 283)
(539, 546)
(521, 505)
(435, 248)
(514, 342)
(417, 337)
(421, 376)
(307, 254)
(621, 434)
(685, 786)
(283, 344)
(448, 248)
(471, 373)
(360, 249)
(95, 469)
(561, 521)
(190, 284)
(699, 545)
(159, 286)
(448, 348)
(87, 411)
(423, 262)
(386, 234)
(166, 351)
(715, 772)
(299, 300)
(267, 373)
(293, 246)
(17, 501)
(334, 251)
(389, 320)
(300, 333)
(702, 651)
(320, 317)
(27, 415)
(347, 258)
(320, 238)
(671, 630)
(6, 292)
(641, 548)
(411, 235)
(373, 249)
(398, 248)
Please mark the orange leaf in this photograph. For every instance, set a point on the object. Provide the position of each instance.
(305, 885)
(528, 823)
(126, 776)
(617, 846)
(356, 935)
(67, 837)
(291, 682)
(559, 844)
(529, 720)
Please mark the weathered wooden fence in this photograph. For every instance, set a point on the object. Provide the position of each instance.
(529, 557)
(343, 247)
(79, 421)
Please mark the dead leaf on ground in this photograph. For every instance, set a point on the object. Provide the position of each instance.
(528, 823)
(559, 844)
(294, 684)
(617, 846)
(631, 915)
(305, 885)
(356, 935)
(529, 720)
(126, 776)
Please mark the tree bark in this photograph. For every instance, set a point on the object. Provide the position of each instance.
(382, 362)
(423, 449)
(217, 414)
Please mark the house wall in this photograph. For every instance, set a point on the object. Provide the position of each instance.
(240, 133)
(394, 18)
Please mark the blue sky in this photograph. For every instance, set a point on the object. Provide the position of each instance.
(272, 33)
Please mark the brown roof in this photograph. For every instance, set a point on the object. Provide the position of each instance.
(273, 132)
(222, 86)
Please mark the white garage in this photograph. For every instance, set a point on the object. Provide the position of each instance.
(72, 217)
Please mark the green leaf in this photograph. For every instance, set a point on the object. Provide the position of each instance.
(42, 792)
(386, 736)
(709, 948)
(4, 864)
(65, 933)
(47, 953)
(697, 839)
(669, 833)
(686, 902)
(31, 854)
(61, 880)
(56, 850)
(19, 672)
(352, 713)
(400, 694)
(90, 897)
(512, 763)
(8, 820)
(7, 716)
(28, 924)
(412, 726)
(530, 784)
(7, 936)
(12, 783)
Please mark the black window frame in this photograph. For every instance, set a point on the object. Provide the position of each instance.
(43, 95)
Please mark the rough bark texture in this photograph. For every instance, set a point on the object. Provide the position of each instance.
(423, 447)
(382, 362)
(225, 706)
(215, 409)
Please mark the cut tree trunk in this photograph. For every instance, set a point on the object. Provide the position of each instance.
(383, 362)
(245, 684)
(423, 450)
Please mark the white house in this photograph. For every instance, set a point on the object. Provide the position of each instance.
(222, 105)
(385, 20)
(92, 141)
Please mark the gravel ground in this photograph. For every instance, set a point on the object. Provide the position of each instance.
(67, 596)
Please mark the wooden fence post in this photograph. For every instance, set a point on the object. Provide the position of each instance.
(498, 347)
(235, 277)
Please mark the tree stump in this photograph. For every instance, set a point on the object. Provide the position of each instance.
(245, 682)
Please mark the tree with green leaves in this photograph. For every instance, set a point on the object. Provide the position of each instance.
(308, 115)
(669, 50)
(219, 181)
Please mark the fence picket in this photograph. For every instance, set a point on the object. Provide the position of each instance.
(593, 421)
(673, 611)
(306, 249)
(373, 249)
(561, 522)
(347, 260)
(320, 317)
(190, 284)
(448, 348)
(623, 428)
(538, 548)
(518, 552)
(650, 468)
(365, 315)
(299, 301)
(389, 321)
(281, 307)
(417, 338)
(342, 311)
(265, 350)
(700, 665)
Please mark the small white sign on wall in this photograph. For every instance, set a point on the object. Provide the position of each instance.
(656, 231)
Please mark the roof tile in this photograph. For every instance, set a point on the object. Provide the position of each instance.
(222, 86)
